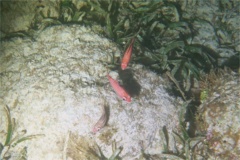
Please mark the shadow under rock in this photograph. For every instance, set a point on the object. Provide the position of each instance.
(129, 83)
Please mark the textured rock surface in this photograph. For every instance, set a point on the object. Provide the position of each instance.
(220, 117)
(218, 26)
(21, 15)
(57, 84)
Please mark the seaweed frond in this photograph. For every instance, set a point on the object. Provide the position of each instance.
(80, 147)
(11, 141)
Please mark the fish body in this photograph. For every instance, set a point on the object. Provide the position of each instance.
(119, 90)
(127, 56)
(101, 122)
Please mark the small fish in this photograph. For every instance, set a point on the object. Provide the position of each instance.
(101, 122)
(127, 56)
(119, 90)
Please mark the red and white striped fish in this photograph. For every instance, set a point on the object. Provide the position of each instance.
(101, 122)
(127, 56)
(119, 90)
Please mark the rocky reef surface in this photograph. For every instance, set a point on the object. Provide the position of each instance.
(56, 85)
(219, 115)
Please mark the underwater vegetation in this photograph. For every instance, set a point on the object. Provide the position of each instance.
(185, 146)
(218, 115)
(164, 42)
(169, 34)
(11, 142)
(164, 30)
(85, 148)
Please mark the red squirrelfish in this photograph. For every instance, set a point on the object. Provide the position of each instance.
(127, 56)
(101, 122)
(119, 90)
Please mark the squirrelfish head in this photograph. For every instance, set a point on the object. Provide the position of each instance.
(123, 66)
(95, 129)
(127, 98)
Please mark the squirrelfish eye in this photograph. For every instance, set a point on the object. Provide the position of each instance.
(124, 98)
